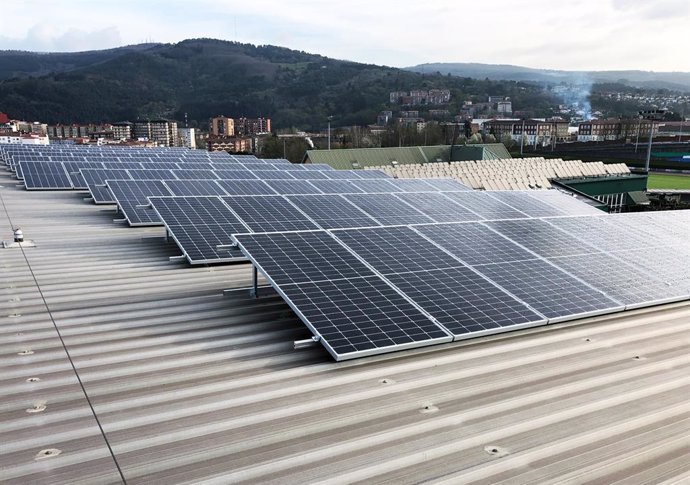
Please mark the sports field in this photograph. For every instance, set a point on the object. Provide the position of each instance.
(665, 181)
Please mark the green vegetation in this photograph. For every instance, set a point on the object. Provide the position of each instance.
(205, 78)
(665, 181)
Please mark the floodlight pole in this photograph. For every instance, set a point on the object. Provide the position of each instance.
(329, 131)
(649, 146)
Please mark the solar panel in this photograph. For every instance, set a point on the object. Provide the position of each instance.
(151, 174)
(602, 233)
(541, 237)
(73, 169)
(353, 315)
(474, 243)
(485, 206)
(194, 187)
(132, 193)
(567, 204)
(45, 176)
(447, 185)
(342, 174)
(320, 167)
(292, 187)
(371, 174)
(235, 174)
(411, 185)
(549, 290)
(391, 250)
(465, 303)
(195, 174)
(623, 282)
(198, 225)
(524, 203)
(387, 209)
(273, 175)
(150, 165)
(246, 187)
(437, 206)
(189, 165)
(122, 165)
(309, 175)
(95, 180)
(336, 187)
(265, 213)
(331, 211)
(375, 186)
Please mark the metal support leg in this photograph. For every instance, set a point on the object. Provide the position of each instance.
(255, 283)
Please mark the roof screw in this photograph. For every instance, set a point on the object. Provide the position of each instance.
(47, 453)
(33, 379)
(25, 352)
(38, 408)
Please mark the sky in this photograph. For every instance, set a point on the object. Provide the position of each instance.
(649, 35)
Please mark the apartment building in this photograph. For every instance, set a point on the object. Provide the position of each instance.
(221, 126)
(162, 132)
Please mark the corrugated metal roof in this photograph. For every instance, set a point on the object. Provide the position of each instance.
(191, 386)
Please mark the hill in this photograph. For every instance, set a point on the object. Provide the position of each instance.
(205, 77)
(679, 81)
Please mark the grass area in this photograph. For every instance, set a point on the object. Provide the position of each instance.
(664, 181)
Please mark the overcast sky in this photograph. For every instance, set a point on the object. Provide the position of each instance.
(572, 35)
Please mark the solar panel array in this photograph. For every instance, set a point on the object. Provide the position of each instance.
(374, 264)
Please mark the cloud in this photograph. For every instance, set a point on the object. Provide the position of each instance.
(656, 10)
(44, 37)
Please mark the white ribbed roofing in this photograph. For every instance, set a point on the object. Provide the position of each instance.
(190, 386)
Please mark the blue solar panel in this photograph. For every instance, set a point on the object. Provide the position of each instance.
(387, 209)
(351, 310)
(194, 187)
(45, 176)
(199, 225)
(132, 193)
(195, 174)
(437, 206)
(246, 187)
(331, 211)
(267, 213)
(235, 174)
(292, 187)
(336, 187)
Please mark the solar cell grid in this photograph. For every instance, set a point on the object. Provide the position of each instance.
(151, 174)
(524, 203)
(565, 203)
(336, 187)
(485, 206)
(331, 211)
(549, 290)
(235, 174)
(198, 225)
(387, 209)
(372, 174)
(194, 187)
(273, 175)
(411, 185)
(309, 175)
(474, 243)
(541, 237)
(246, 187)
(375, 186)
(447, 185)
(301, 257)
(195, 174)
(464, 302)
(341, 175)
(623, 282)
(292, 187)
(45, 176)
(132, 193)
(362, 316)
(392, 250)
(269, 213)
(437, 206)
